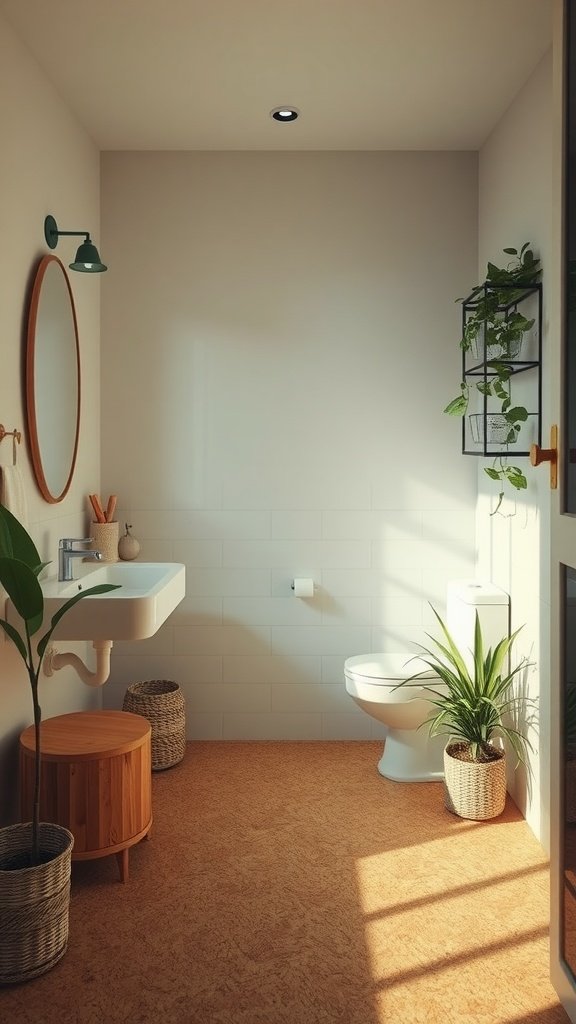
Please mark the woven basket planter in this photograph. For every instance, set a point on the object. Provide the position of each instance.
(34, 902)
(160, 701)
(473, 789)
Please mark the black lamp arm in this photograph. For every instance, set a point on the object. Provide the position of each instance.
(85, 233)
(52, 232)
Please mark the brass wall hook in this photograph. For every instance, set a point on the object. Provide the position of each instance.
(16, 436)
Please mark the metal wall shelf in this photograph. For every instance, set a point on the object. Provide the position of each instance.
(484, 426)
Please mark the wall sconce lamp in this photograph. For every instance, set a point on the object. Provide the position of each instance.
(87, 258)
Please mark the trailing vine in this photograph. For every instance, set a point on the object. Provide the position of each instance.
(495, 331)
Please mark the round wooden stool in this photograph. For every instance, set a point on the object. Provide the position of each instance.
(96, 780)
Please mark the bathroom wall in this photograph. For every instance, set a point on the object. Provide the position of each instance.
(515, 201)
(279, 340)
(47, 165)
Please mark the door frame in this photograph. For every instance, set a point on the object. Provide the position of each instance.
(562, 525)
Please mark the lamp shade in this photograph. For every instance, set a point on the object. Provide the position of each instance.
(88, 259)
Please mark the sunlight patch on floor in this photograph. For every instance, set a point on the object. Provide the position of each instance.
(453, 924)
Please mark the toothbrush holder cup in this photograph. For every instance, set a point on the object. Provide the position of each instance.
(105, 539)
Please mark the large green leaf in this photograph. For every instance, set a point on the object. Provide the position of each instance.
(5, 538)
(15, 541)
(517, 413)
(23, 587)
(15, 638)
(457, 407)
(516, 477)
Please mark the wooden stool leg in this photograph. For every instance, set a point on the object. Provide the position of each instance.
(123, 862)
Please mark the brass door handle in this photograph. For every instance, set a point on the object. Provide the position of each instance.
(539, 455)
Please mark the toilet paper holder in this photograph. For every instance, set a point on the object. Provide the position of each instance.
(303, 586)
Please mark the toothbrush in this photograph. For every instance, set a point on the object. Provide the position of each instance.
(111, 507)
(98, 512)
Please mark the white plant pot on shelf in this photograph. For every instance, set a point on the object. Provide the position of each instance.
(495, 431)
(497, 351)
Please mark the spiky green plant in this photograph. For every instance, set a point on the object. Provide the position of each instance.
(20, 567)
(476, 701)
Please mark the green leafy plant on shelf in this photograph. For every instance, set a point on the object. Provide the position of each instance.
(20, 567)
(495, 332)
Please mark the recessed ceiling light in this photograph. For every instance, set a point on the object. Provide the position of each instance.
(284, 113)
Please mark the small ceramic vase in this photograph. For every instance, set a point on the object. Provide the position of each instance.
(128, 546)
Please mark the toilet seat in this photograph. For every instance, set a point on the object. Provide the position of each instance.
(387, 669)
(376, 677)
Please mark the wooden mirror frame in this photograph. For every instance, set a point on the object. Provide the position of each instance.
(37, 443)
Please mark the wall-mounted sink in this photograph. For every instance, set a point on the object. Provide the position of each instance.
(149, 592)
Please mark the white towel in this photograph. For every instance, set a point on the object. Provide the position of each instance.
(12, 493)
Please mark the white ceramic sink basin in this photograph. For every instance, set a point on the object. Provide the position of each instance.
(149, 592)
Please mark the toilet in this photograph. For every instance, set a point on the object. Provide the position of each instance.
(410, 754)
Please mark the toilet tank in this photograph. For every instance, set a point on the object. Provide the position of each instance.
(466, 597)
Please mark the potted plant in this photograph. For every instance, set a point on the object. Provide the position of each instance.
(34, 857)
(473, 709)
(493, 331)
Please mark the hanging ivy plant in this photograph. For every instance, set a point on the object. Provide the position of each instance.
(495, 331)
(500, 470)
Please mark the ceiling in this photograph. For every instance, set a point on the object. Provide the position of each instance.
(365, 74)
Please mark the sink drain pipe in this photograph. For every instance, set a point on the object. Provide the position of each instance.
(55, 660)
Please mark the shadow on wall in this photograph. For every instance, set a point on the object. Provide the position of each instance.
(15, 715)
(9, 792)
(266, 655)
(240, 685)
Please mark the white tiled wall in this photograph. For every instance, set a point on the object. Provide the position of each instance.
(253, 660)
(279, 362)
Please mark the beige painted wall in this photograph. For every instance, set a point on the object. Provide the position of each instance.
(515, 197)
(47, 165)
(278, 341)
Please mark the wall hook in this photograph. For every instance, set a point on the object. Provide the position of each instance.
(16, 436)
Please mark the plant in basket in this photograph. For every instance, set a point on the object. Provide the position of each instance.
(34, 856)
(475, 706)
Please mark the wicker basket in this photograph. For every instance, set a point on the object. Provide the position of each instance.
(473, 789)
(160, 701)
(34, 903)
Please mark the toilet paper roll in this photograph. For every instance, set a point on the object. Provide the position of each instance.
(303, 587)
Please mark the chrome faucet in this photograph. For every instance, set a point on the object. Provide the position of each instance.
(67, 552)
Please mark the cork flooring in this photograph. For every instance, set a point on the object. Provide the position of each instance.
(288, 883)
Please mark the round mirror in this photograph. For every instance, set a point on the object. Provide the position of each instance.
(53, 379)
